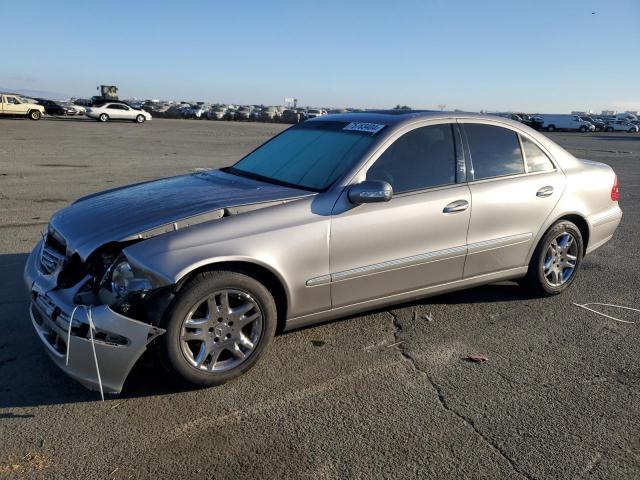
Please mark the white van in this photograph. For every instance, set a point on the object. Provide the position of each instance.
(566, 122)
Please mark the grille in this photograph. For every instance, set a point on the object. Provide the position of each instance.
(50, 260)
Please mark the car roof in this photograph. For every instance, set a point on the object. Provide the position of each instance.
(399, 117)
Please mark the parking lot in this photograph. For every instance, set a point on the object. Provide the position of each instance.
(383, 395)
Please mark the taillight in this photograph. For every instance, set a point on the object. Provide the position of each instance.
(615, 192)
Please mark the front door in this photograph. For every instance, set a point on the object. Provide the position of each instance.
(514, 189)
(418, 238)
(13, 106)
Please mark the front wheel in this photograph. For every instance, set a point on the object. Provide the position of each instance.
(103, 117)
(556, 260)
(217, 328)
(583, 129)
(35, 115)
(140, 119)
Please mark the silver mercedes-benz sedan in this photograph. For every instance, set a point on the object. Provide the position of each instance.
(337, 215)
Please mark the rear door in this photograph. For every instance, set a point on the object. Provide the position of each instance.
(514, 187)
(418, 238)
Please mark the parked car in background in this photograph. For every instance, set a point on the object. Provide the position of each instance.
(290, 116)
(15, 105)
(216, 113)
(530, 120)
(196, 112)
(566, 122)
(51, 107)
(117, 111)
(314, 113)
(74, 109)
(269, 114)
(230, 114)
(596, 122)
(621, 126)
(205, 267)
(242, 113)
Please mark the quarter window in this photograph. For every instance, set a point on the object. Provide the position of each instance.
(536, 159)
(421, 158)
(495, 151)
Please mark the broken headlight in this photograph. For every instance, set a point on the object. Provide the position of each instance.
(124, 281)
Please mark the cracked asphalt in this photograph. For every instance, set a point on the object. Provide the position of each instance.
(387, 394)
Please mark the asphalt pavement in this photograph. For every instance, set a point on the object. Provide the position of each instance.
(388, 394)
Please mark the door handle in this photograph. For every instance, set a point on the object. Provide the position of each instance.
(457, 206)
(545, 192)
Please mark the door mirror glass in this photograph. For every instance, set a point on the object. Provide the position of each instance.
(370, 191)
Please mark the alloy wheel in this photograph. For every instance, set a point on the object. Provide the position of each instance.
(559, 262)
(221, 330)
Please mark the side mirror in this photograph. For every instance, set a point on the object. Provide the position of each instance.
(370, 191)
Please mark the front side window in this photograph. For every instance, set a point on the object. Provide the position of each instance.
(12, 100)
(495, 151)
(421, 158)
(536, 159)
(310, 155)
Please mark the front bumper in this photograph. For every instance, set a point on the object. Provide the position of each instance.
(119, 340)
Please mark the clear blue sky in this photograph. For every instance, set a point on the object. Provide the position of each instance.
(549, 55)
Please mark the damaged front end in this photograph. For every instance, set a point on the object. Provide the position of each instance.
(125, 309)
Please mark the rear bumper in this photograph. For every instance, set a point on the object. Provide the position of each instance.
(602, 227)
(119, 340)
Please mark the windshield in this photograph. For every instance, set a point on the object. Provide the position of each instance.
(310, 156)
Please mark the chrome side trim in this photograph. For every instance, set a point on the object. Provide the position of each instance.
(434, 256)
(400, 263)
(323, 280)
(606, 218)
(478, 247)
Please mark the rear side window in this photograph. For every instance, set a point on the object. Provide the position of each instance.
(495, 151)
(421, 158)
(536, 159)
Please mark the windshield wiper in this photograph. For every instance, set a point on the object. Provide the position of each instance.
(262, 178)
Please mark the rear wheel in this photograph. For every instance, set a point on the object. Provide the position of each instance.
(103, 117)
(556, 260)
(583, 129)
(609, 129)
(35, 115)
(551, 128)
(217, 328)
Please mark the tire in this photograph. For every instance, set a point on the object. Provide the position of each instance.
(566, 259)
(35, 115)
(103, 117)
(140, 119)
(551, 128)
(583, 129)
(187, 352)
(609, 129)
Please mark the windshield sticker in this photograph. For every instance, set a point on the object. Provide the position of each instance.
(364, 127)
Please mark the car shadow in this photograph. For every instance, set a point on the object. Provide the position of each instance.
(28, 378)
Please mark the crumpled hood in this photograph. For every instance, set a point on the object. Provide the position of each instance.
(123, 213)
